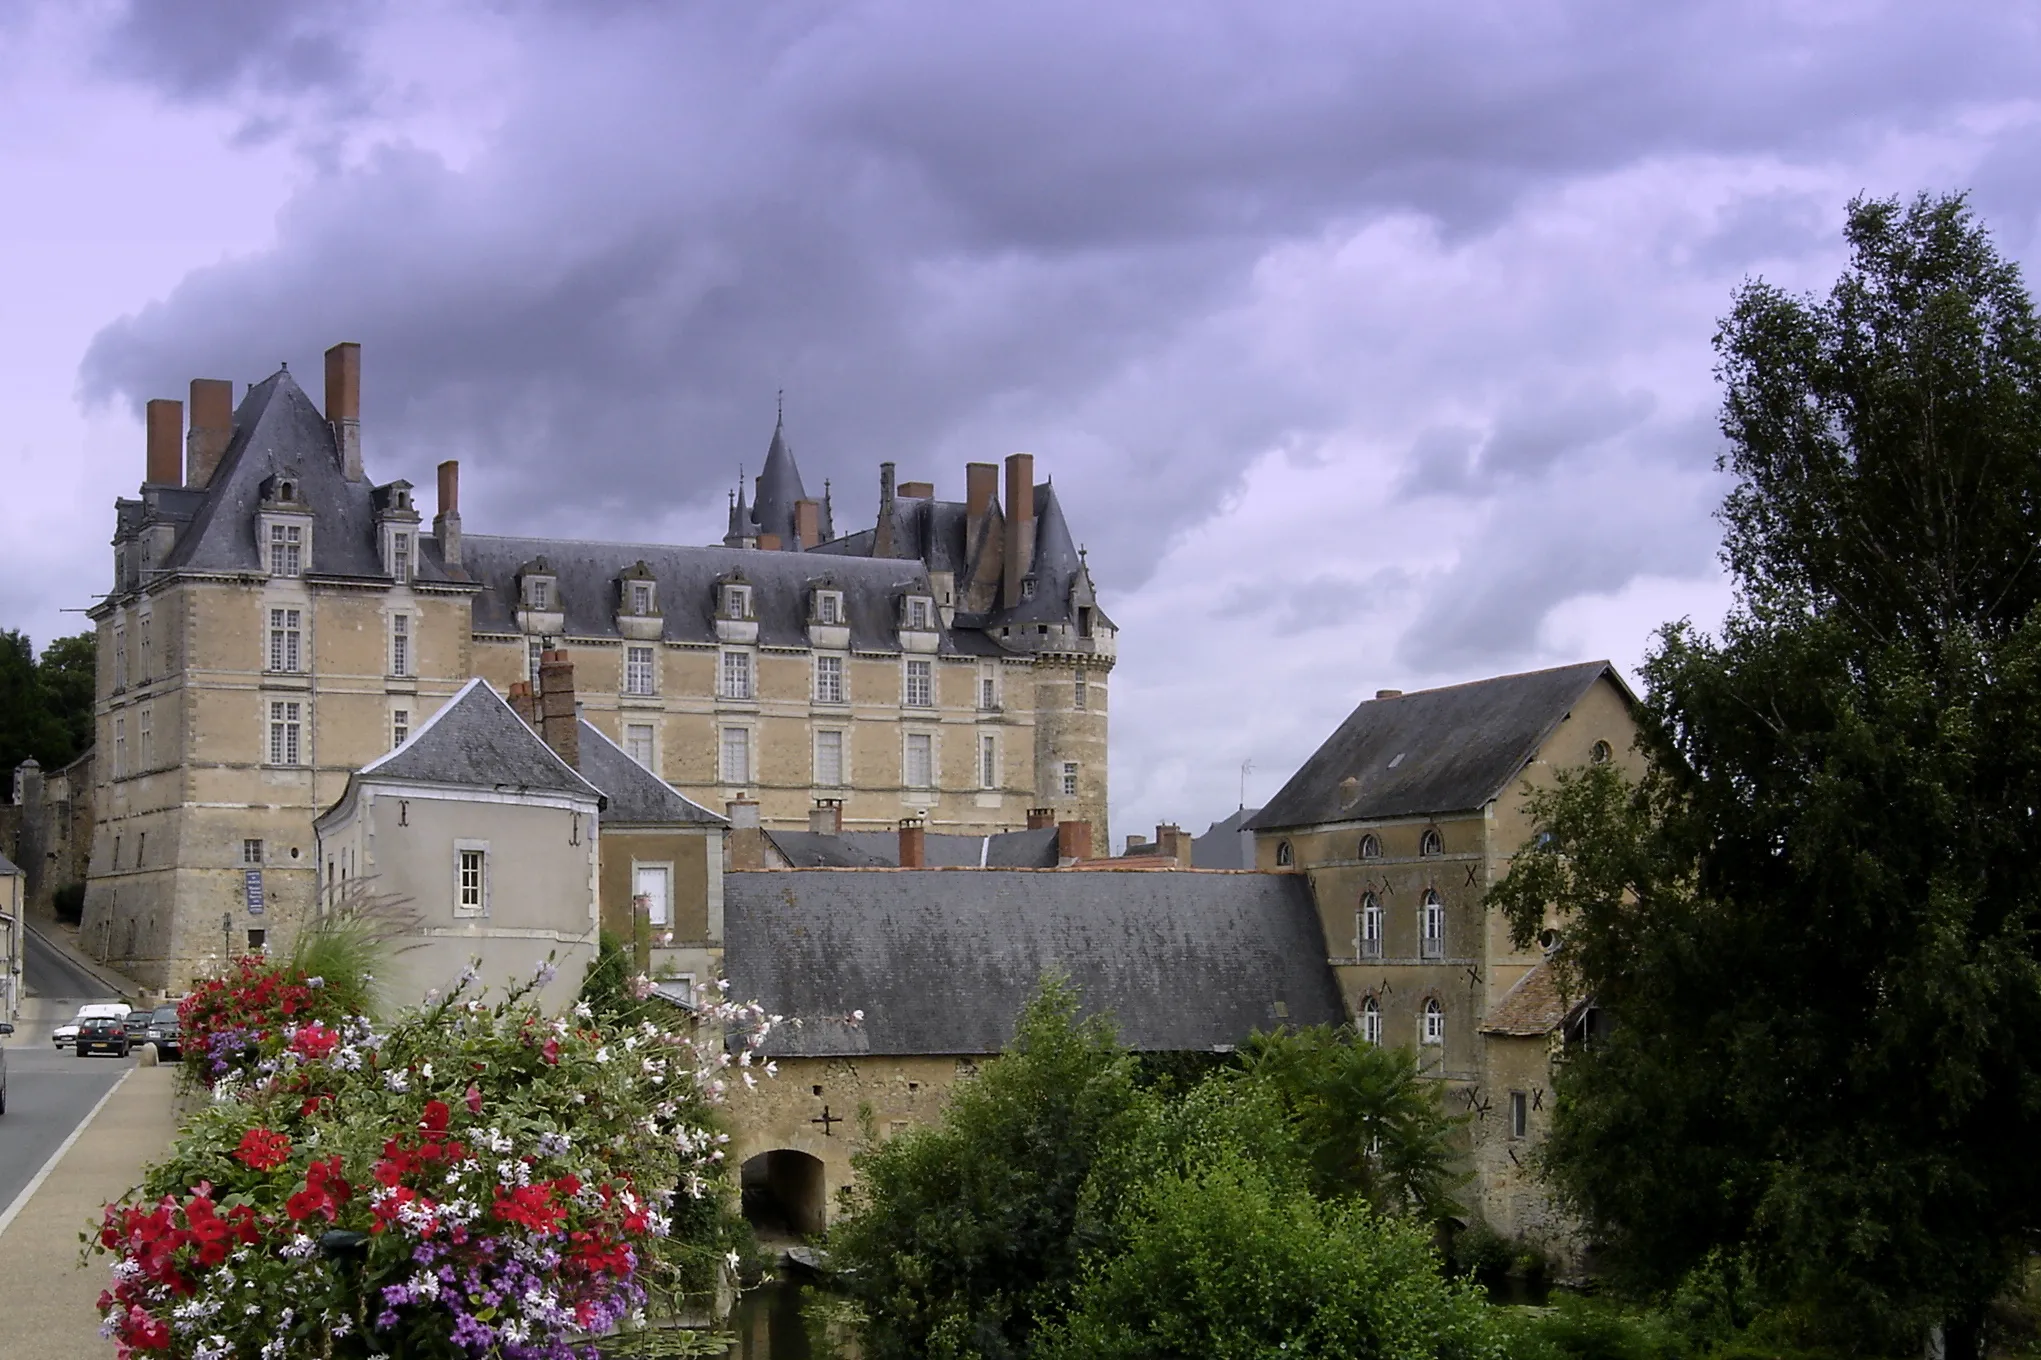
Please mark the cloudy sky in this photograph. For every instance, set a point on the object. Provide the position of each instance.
(1368, 344)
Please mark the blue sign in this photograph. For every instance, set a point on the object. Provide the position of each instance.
(251, 889)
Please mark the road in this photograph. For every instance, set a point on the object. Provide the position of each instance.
(49, 1090)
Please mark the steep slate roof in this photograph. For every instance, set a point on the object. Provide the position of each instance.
(1534, 1006)
(942, 960)
(277, 429)
(475, 740)
(1034, 849)
(687, 578)
(779, 487)
(1220, 847)
(637, 797)
(7, 868)
(1431, 751)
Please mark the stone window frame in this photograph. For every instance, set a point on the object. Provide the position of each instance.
(724, 747)
(917, 682)
(1431, 843)
(283, 736)
(400, 726)
(651, 731)
(736, 675)
(1368, 921)
(287, 545)
(989, 771)
(403, 655)
(1371, 846)
(642, 597)
(471, 853)
(829, 609)
(842, 757)
(1519, 1115)
(641, 669)
(932, 777)
(988, 686)
(736, 602)
(1431, 925)
(838, 671)
(672, 880)
(1071, 773)
(285, 652)
(1432, 1023)
(1601, 753)
(1369, 1020)
(1286, 856)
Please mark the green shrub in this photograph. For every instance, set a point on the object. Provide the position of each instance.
(1576, 1328)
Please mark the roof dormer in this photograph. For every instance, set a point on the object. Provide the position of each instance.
(736, 606)
(828, 615)
(396, 530)
(539, 607)
(283, 525)
(920, 626)
(638, 615)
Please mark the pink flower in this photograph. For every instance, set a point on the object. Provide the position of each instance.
(474, 1099)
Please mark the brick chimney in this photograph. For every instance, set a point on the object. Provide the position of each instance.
(981, 489)
(807, 524)
(913, 844)
(769, 542)
(165, 421)
(212, 429)
(1175, 844)
(917, 491)
(826, 817)
(747, 840)
(1020, 524)
(1040, 819)
(343, 405)
(446, 525)
(1073, 842)
(559, 724)
(525, 704)
(882, 536)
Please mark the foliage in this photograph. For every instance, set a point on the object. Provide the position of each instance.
(246, 1021)
(1226, 1258)
(474, 1179)
(1368, 1123)
(606, 989)
(45, 703)
(1814, 920)
(960, 1236)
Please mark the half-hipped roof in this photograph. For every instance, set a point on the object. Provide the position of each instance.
(475, 740)
(941, 961)
(1431, 751)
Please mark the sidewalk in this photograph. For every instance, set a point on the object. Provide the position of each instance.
(52, 1302)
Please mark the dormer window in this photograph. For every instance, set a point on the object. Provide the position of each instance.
(920, 613)
(538, 592)
(641, 597)
(400, 557)
(736, 602)
(829, 606)
(286, 549)
(1028, 588)
(286, 491)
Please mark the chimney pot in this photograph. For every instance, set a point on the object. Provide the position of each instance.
(743, 813)
(165, 421)
(1388, 694)
(1041, 818)
(913, 844)
(212, 429)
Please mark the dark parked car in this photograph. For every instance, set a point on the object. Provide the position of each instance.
(163, 1032)
(102, 1034)
(5, 1030)
(137, 1025)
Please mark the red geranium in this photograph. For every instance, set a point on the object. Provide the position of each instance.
(263, 1149)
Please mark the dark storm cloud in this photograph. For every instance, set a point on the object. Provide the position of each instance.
(927, 219)
(202, 49)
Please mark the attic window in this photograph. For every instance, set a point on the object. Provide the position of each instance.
(917, 613)
(1284, 855)
(286, 550)
(538, 592)
(641, 597)
(1371, 848)
(736, 602)
(1084, 621)
(1599, 753)
(1028, 588)
(829, 606)
(286, 491)
(1431, 843)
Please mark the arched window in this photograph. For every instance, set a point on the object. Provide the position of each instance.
(1371, 1021)
(1434, 1021)
(1370, 932)
(1600, 752)
(1433, 926)
(1284, 855)
(1370, 847)
(1431, 843)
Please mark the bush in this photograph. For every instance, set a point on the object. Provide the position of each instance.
(1226, 1259)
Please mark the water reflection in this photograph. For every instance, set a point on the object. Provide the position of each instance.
(782, 1320)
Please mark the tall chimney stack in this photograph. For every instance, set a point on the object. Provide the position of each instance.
(807, 524)
(1073, 842)
(1020, 524)
(913, 844)
(212, 428)
(882, 537)
(446, 525)
(343, 404)
(559, 724)
(165, 420)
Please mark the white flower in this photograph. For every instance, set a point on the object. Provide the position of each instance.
(300, 1248)
(602, 1055)
(581, 1010)
(858, 1016)
(396, 1080)
(214, 1347)
(733, 1258)
(425, 1071)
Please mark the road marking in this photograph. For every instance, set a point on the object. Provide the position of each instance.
(21, 1200)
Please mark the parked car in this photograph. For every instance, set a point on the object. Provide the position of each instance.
(103, 1034)
(5, 1030)
(137, 1025)
(163, 1032)
(63, 1035)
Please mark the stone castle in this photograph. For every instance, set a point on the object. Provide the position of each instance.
(277, 621)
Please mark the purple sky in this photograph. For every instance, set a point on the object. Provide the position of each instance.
(1369, 345)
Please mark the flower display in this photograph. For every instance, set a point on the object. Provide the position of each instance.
(237, 1022)
(511, 1195)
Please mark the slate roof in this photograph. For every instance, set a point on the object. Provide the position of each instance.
(779, 487)
(687, 578)
(7, 868)
(475, 740)
(1431, 751)
(1034, 849)
(1534, 1006)
(1220, 847)
(278, 429)
(941, 960)
(637, 797)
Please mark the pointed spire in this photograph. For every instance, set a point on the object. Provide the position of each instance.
(779, 485)
(742, 532)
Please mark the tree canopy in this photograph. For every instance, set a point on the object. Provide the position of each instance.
(45, 703)
(1813, 923)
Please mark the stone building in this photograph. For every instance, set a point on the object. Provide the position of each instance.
(277, 621)
(1400, 823)
(13, 937)
(941, 961)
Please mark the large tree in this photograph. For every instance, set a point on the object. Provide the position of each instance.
(1814, 923)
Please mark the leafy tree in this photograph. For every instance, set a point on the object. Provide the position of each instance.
(961, 1235)
(1815, 920)
(1368, 1124)
(65, 672)
(46, 706)
(1228, 1258)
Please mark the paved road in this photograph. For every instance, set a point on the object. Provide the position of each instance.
(48, 1089)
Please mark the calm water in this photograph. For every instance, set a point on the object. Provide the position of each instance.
(779, 1321)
